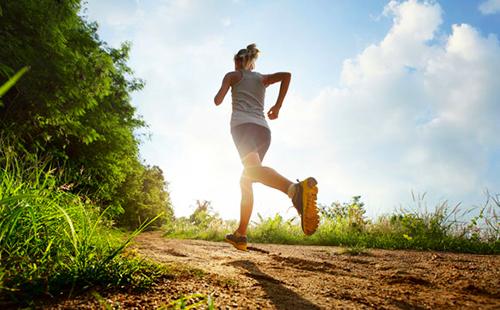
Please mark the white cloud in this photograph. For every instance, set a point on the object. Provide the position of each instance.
(490, 7)
(411, 114)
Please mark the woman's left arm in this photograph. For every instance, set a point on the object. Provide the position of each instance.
(224, 88)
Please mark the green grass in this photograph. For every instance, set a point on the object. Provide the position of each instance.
(345, 225)
(193, 301)
(201, 226)
(354, 250)
(53, 242)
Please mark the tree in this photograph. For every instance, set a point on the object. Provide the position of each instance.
(73, 106)
(145, 195)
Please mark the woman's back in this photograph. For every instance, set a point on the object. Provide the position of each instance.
(248, 100)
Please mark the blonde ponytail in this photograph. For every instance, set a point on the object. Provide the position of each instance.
(248, 56)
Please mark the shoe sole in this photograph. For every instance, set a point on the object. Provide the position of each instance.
(241, 247)
(310, 218)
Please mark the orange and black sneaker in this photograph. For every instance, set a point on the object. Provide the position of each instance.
(239, 242)
(304, 200)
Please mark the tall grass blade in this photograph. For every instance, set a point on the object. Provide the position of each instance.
(12, 81)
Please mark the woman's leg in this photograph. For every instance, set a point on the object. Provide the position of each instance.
(265, 175)
(246, 204)
(255, 172)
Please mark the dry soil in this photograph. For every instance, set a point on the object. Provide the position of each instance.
(308, 277)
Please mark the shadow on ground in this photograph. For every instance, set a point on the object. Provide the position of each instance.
(281, 296)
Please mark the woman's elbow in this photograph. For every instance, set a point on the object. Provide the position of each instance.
(217, 101)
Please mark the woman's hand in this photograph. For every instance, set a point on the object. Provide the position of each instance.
(274, 112)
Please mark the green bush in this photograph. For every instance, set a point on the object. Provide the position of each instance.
(74, 104)
(53, 241)
(275, 230)
(352, 213)
(203, 224)
(143, 196)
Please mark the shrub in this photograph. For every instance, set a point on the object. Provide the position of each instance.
(53, 241)
(203, 224)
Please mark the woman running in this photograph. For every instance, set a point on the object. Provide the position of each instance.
(252, 137)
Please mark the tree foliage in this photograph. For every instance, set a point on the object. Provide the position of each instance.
(352, 212)
(144, 196)
(74, 103)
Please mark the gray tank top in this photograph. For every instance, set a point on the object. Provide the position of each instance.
(248, 100)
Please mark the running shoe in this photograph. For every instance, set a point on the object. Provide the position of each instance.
(304, 200)
(239, 242)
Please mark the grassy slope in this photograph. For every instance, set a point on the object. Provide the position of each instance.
(52, 241)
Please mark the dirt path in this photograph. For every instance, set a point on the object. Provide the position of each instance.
(314, 277)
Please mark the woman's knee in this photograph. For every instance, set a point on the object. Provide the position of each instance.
(251, 160)
(252, 166)
(252, 172)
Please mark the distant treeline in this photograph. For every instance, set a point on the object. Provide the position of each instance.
(72, 109)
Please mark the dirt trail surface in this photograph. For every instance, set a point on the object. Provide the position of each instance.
(312, 277)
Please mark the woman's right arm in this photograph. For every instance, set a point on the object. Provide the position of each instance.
(269, 79)
(284, 78)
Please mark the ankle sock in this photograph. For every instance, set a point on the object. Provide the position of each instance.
(237, 234)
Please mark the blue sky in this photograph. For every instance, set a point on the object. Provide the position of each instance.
(387, 97)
